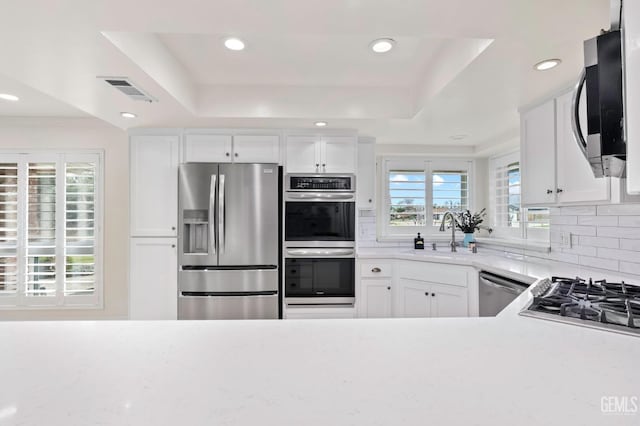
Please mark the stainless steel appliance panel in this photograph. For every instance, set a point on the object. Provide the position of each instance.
(246, 280)
(496, 292)
(197, 214)
(248, 214)
(228, 307)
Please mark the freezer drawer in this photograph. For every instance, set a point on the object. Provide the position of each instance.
(204, 307)
(246, 280)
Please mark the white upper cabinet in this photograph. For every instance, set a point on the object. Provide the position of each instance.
(302, 154)
(575, 180)
(320, 154)
(631, 33)
(154, 185)
(227, 148)
(554, 170)
(207, 148)
(538, 147)
(339, 154)
(256, 149)
(366, 178)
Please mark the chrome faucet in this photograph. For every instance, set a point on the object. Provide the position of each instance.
(453, 228)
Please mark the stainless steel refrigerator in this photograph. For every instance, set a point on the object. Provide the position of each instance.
(229, 241)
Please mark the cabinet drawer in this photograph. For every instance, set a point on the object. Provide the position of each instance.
(442, 273)
(375, 269)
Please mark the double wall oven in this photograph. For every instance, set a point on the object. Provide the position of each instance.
(320, 239)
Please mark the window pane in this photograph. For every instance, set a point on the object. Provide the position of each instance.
(80, 228)
(537, 218)
(41, 230)
(406, 191)
(8, 227)
(450, 192)
(513, 179)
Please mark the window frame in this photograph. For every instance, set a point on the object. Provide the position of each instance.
(19, 300)
(428, 165)
(523, 231)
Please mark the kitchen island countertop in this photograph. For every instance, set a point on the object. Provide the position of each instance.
(507, 370)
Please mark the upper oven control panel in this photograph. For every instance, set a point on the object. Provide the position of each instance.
(338, 183)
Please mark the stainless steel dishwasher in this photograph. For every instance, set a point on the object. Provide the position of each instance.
(496, 292)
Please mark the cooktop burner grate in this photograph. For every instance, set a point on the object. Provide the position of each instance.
(603, 302)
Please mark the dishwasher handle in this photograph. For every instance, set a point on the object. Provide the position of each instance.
(503, 283)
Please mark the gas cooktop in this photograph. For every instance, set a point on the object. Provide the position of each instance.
(597, 304)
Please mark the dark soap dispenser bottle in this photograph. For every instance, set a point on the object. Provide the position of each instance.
(418, 242)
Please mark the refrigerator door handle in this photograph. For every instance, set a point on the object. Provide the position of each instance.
(212, 209)
(221, 215)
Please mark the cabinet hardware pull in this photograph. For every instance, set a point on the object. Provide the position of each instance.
(236, 154)
(433, 295)
(376, 270)
(559, 190)
(227, 154)
(388, 288)
(426, 294)
(549, 191)
(317, 165)
(370, 200)
(173, 228)
(173, 246)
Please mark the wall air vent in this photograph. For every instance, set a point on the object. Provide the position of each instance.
(126, 86)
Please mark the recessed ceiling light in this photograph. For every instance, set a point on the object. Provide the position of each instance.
(458, 137)
(321, 123)
(233, 43)
(382, 45)
(128, 115)
(8, 97)
(547, 64)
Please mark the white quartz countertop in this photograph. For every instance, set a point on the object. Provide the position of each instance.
(508, 370)
(524, 268)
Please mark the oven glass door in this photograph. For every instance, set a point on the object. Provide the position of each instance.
(326, 277)
(319, 221)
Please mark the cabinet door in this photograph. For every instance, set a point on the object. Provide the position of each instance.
(412, 299)
(631, 34)
(154, 186)
(256, 149)
(576, 182)
(338, 154)
(207, 148)
(375, 299)
(449, 301)
(538, 151)
(366, 178)
(302, 154)
(153, 279)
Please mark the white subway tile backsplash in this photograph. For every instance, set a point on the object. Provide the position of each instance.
(598, 220)
(619, 210)
(630, 244)
(578, 210)
(598, 242)
(581, 250)
(611, 231)
(630, 268)
(565, 220)
(596, 262)
(564, 257)
(628, 256)
(576, 229)
(631, 221)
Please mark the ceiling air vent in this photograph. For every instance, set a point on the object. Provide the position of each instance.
(127, 87)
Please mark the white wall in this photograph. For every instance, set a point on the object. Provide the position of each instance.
(85, 133)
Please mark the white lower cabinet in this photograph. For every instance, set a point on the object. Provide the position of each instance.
(375, 298)
(414, 289)
(153, 279)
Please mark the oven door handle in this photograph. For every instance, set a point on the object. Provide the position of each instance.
(320, 196)
(308, 252)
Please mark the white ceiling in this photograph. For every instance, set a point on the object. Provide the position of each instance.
(32, 103)
(459, 67)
